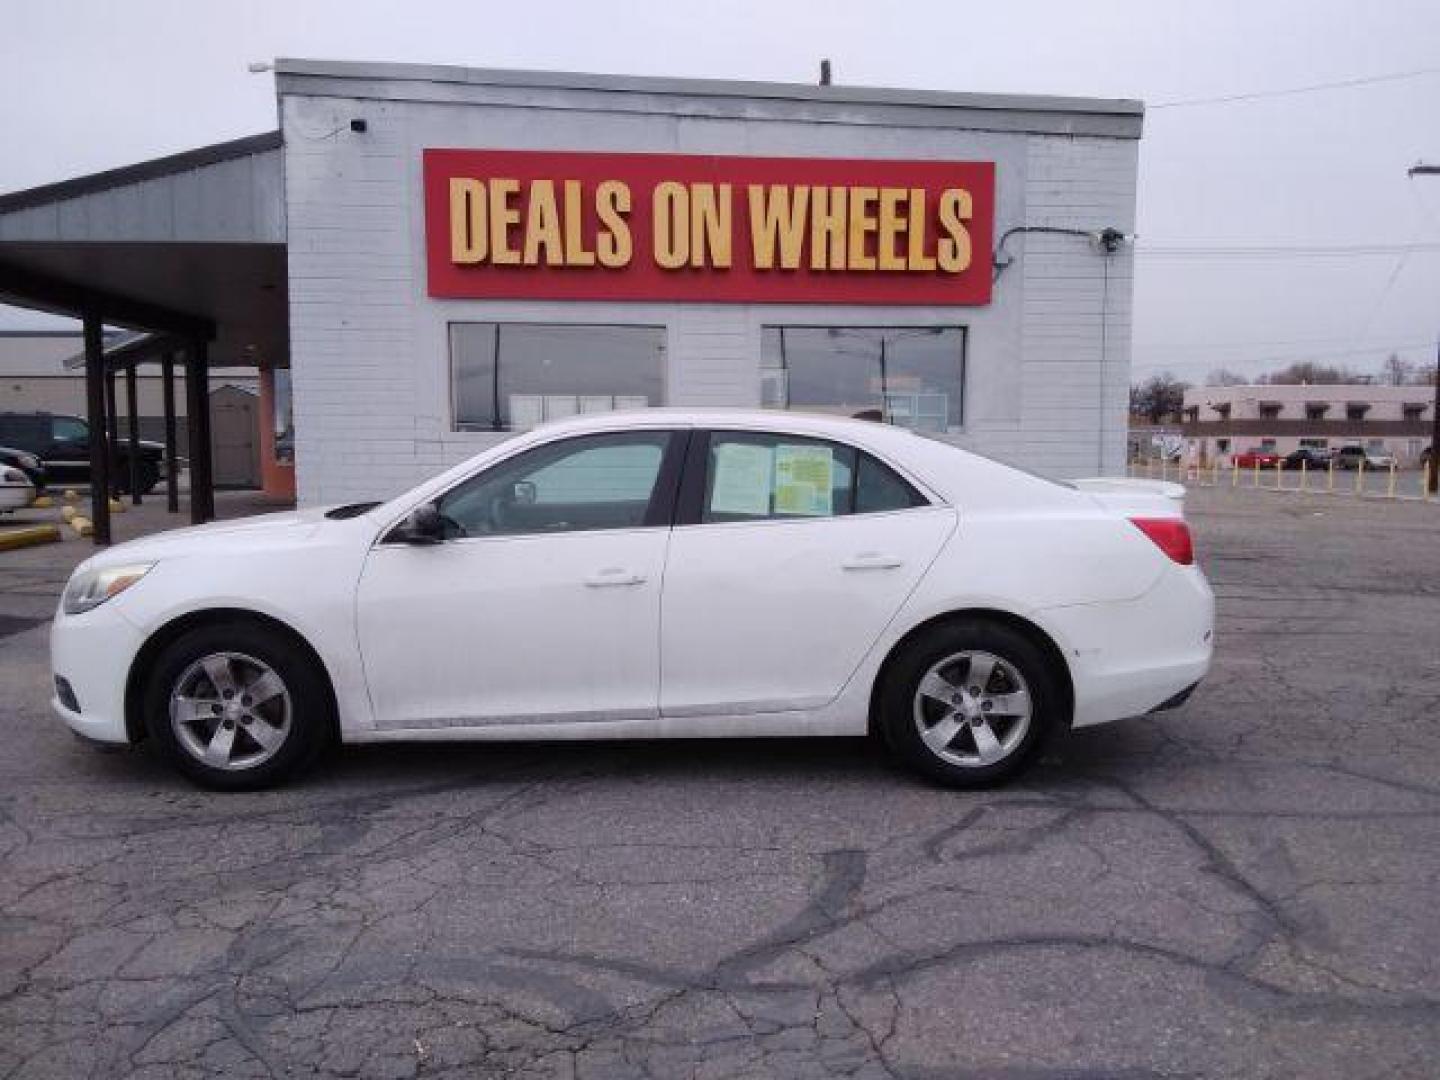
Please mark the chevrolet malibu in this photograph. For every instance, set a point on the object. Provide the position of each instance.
(650, 574)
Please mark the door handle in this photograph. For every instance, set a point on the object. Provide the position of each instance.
(872, 560)
(614, 575)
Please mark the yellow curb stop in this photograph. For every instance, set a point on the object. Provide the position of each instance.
(28, 536)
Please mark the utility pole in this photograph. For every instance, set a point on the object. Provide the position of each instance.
(1433, 170)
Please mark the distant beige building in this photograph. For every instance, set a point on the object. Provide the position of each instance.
(1225, 420)
(40, 372)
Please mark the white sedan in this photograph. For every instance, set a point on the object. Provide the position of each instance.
(651, 574)
(16, 490)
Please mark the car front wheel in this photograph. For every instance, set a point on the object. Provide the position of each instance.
(970, 703)
(234, 709)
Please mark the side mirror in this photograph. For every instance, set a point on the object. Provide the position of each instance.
(423, 526)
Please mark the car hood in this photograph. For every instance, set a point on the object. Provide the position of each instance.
(280, 529)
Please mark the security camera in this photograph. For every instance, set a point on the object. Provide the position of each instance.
(1110, 239)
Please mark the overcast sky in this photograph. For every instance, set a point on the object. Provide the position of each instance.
(93, 84)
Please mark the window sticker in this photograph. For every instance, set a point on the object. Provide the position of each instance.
(804, 480)
(742, 480)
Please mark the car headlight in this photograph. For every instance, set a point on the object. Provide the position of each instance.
(13, 476)
(91, 588)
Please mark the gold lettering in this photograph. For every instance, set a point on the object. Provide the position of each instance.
(542, 226)
(612, 202)
(576, 253)
(892, 225)
(827, 228)
(672, 224)
(710, 227)
(468, 240)
(862, 226)
(919, 259)
(777, 214)
(503, 217)
(952, 252)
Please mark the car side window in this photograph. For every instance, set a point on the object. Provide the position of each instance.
(66, 429)
(593, 482)
(755, 476)
(880, 489)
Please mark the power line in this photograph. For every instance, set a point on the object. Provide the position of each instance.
(1285, 358)
(1339, 84)
(1191, 346)
(1276, 251)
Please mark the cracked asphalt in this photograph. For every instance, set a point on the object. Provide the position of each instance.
(1246, 887)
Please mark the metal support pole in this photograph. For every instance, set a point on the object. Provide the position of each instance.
(133, 424)
(99, 444)
(172, 462)
(1435, 427)
(197, 398)
(112, 433)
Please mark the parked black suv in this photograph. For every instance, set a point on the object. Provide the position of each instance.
(63, 444)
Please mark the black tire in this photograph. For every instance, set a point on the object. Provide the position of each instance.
(309, 711)
(147, 476)
(898, 721)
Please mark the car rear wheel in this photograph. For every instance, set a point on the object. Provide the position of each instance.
(970, 703)
(234, 709)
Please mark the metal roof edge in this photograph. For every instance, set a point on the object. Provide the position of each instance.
(145, 170)
(651, 84)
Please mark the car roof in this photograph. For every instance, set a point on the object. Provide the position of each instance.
(950, 472)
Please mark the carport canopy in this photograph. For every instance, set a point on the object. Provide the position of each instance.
(187, 249)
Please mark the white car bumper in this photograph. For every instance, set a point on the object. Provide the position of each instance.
(92, 653)
(1127, 659)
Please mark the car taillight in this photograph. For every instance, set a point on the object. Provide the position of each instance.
(1171, 535)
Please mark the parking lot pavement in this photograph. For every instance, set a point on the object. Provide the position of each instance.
(1244, 888)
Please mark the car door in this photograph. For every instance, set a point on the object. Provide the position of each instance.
(543, 603)
(67, 456)
(790, 556)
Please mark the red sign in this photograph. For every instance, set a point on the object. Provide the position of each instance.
(578, 226)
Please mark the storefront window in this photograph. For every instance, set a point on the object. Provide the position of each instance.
(910, 376)
(513, 376)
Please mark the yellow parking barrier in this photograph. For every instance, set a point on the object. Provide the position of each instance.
(1390, 487)
(1215, 473)
(42, 502)
(1257, 472)
(1304, 473)
(83, 526)
(1234, 475)
(68, 513)
(1425, 481)
(1279, 475)
(28, 536)
(71, 495)
(1330, 480)
(1360, 477)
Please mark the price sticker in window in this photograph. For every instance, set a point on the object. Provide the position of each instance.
(804, 480)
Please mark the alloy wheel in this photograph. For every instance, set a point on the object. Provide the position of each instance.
(973, 709)
(230, 711)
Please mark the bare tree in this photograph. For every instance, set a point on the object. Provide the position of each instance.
(1222, 376)
(1159, 398)
(1309, 373)
(1396, 371)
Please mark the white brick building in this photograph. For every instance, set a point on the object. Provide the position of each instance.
(372, 352)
